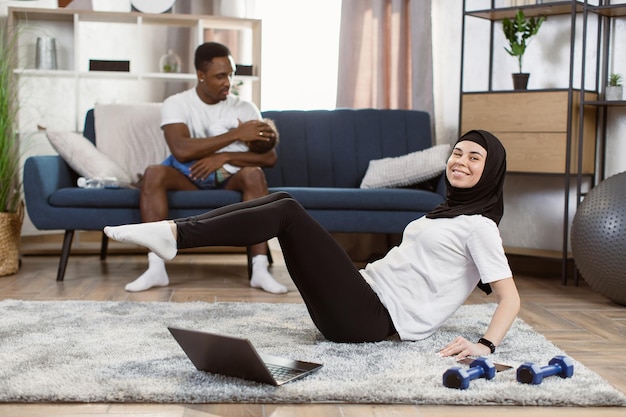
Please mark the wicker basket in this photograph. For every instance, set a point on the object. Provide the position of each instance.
(10, 230)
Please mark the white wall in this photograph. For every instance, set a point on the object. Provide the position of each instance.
(616, 132)
(534, 205)
(300, 53)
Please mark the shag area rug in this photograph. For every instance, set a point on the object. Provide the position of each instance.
(87, 351)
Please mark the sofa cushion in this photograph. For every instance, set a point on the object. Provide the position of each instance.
(94, 197)
(83, 157)
(131, 135)
(129, 198)
(410, 169)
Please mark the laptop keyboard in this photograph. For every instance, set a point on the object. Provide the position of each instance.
(281, 373)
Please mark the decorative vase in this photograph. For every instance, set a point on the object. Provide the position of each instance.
(520, 80)
(170, 62)
(46, 54)
(614, 93)
(10, 230)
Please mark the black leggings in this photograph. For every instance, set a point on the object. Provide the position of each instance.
(341, 303)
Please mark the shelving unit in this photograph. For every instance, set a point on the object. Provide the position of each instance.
(546, 131)
(607, 12)
(59, 98)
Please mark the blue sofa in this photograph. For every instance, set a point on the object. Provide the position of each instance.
(322, 158)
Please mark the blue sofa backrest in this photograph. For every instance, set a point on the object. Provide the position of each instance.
(332, 148)
(89, 130)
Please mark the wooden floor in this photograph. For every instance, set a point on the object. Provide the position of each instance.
(585, 325)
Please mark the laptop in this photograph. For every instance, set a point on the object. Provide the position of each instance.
(237, 357)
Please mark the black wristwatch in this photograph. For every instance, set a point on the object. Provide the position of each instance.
(487, 343)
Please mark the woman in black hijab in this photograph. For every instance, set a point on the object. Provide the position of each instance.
(486, 196)
(412, 290)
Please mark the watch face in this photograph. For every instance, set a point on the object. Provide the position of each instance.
(152, 6)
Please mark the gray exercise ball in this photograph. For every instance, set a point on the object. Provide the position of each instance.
(598, 238)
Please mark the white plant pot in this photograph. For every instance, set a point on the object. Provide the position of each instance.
(613, 93)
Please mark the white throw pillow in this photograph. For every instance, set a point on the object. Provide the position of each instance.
(131, 135)
(406, 170)
(83, 156)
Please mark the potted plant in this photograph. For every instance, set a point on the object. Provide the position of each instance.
(11, 205)
(615, 90)
(518, 32)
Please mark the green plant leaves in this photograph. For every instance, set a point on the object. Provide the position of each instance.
(518, 31)
(615, 80)
(10, 184)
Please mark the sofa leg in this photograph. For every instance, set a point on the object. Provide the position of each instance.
(249, 256)
(104, 246)
(65, 253)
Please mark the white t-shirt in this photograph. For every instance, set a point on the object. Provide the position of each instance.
(209, 120)
(425, 279)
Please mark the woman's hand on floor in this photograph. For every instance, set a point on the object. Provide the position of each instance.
(461, 348)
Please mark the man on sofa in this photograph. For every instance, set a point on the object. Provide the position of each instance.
(208, 131)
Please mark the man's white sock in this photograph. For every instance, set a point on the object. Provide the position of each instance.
(261, 277)
(155, 275)
(156, 236)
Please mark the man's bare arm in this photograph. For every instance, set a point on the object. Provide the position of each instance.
(185, 148)
(252, 159)
(208, 164)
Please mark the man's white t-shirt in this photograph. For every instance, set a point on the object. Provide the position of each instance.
(209, 120)
(439, 262)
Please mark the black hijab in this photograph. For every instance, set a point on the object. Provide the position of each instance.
(485, 197)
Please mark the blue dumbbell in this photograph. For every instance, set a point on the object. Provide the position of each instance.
(530, 373)
(460, 378)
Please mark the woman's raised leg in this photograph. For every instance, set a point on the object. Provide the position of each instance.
(342, 305)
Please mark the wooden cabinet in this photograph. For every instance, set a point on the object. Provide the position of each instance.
(534, 128)
(58, 98)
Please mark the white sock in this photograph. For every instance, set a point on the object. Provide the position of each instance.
(261, 277)
(155, 275)
(156, 236)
